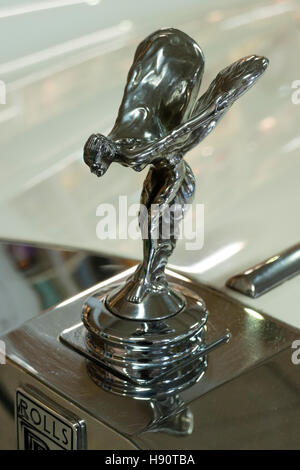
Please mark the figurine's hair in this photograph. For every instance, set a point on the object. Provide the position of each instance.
(100, 144)
(107, 146)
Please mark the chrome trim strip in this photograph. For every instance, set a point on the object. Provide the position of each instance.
(265, 276)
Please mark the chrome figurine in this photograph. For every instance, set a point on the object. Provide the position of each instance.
(137, 343)
(160, 119)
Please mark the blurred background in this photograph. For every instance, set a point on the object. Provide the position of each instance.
(63, 67)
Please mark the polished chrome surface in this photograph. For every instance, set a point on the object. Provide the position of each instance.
(265, 276)
(258, 410)
(154, 307)
(44, 275)
(248, 397)
(143, 359)
(160, 119)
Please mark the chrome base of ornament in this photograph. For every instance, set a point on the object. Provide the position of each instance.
(143, 359)
(154, 306)
(252, 375)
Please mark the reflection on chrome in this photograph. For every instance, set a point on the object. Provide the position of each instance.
(257, 358)
(171, 416)
(44, 277)
(254, 313)
(82, 294)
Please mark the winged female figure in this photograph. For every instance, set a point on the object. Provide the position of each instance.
(160, 119)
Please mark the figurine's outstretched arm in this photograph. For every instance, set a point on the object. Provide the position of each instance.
(138, 157)
(225, 89)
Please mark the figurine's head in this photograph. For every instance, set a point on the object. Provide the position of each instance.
(99, 152)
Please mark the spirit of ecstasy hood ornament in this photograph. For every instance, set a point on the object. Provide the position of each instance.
(160, 119)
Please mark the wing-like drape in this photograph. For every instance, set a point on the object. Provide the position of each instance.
(162, 86)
